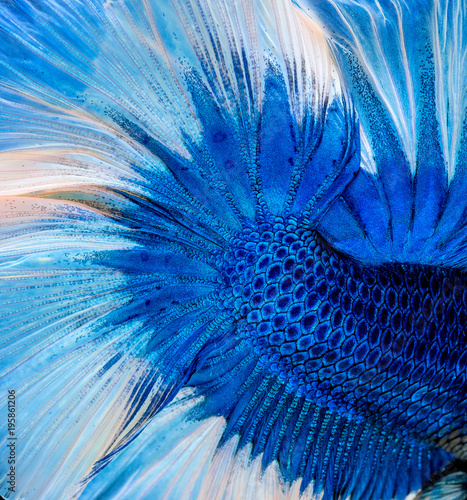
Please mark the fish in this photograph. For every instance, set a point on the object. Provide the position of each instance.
(232, 256)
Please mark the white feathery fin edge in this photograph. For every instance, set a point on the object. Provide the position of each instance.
(161, 74)
(395, 75)
(449, 41)
(261, 29)
(370, 31)
(74, 378)
(102, 77)
(389, 39)
(307, 65)
(265, 30)
(177, 457)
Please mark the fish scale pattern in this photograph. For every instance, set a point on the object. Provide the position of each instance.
(362, 341)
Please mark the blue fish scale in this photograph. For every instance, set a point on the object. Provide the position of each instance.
(368, 342)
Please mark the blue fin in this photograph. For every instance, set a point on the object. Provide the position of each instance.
(412, 113)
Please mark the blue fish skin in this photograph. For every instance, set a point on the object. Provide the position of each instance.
(380, 349)
(384, 343)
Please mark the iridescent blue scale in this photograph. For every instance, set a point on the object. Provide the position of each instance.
(381, 343)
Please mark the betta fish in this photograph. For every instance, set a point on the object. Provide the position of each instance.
(232, 260)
